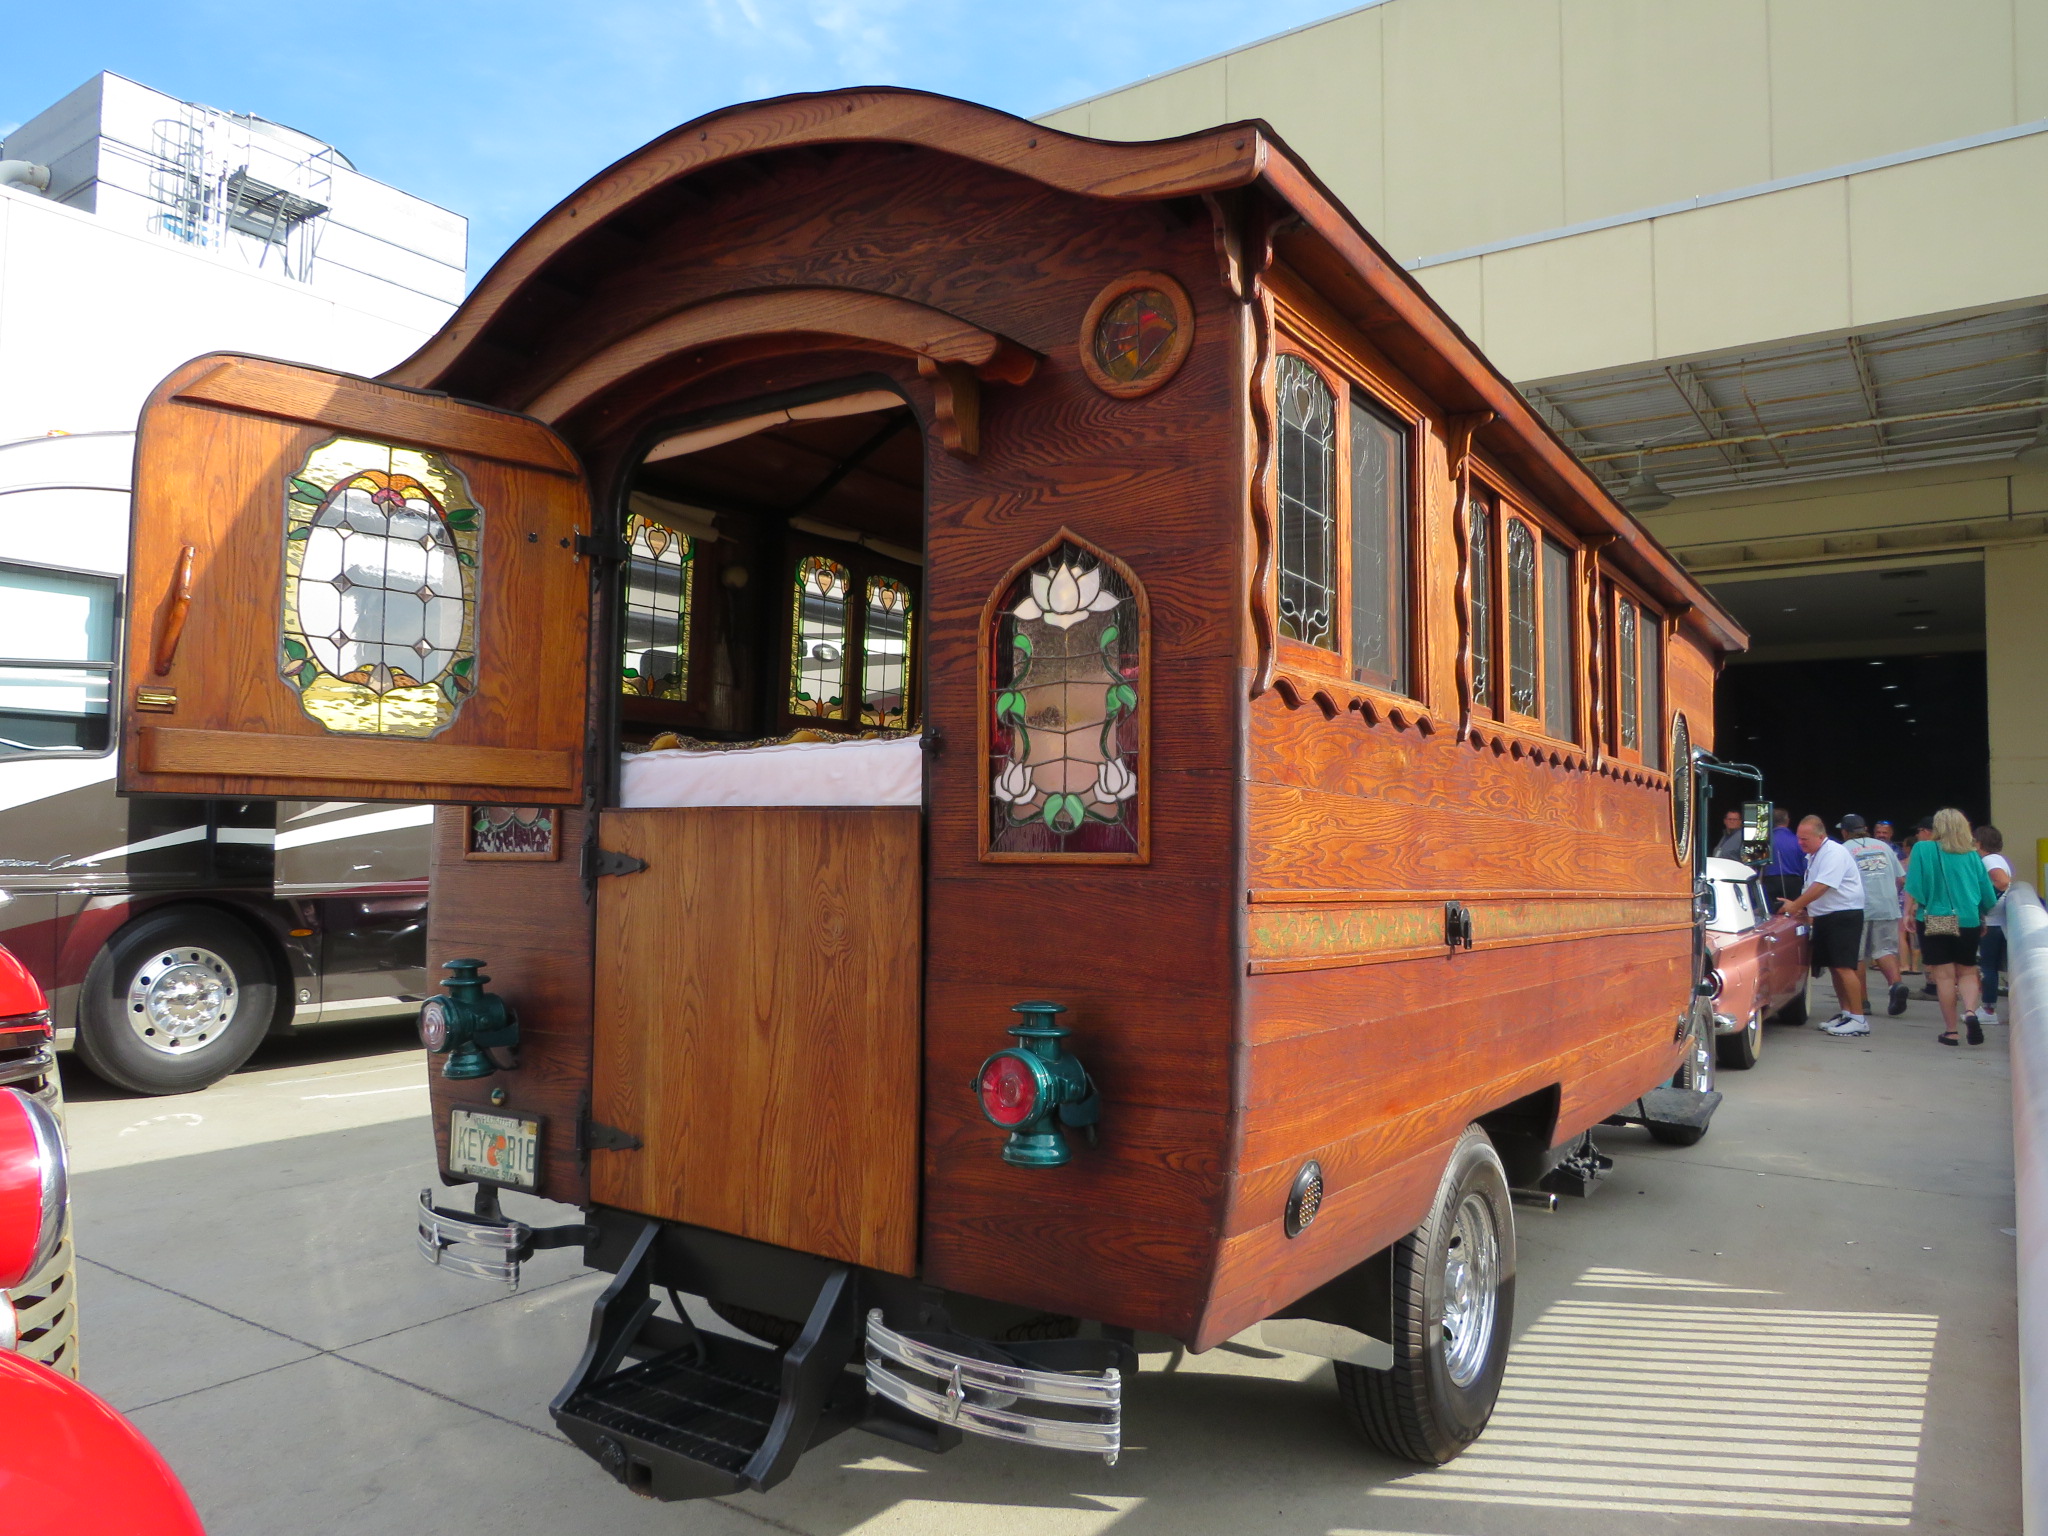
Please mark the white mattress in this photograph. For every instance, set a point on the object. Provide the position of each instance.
(790, 773)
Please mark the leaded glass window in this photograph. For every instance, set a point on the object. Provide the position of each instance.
(817, 671)
(379, 632)
(885, 655)
(1560, 689)
(1625, 672)
(1065, 735)
(1308, 503)
(659, 576)
(1480, 524)
(1653, 692)
(1379, 550)
(1521, 617)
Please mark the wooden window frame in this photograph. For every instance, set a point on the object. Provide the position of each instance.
(1346, 377)
(1503, 506)
(1614, 591)
(860, 563)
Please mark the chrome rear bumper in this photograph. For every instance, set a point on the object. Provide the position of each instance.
(496, 1247)
(983, 1396)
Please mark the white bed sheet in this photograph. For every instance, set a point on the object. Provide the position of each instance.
(789, 773)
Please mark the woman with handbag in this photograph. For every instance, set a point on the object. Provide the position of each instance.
(1949, 894)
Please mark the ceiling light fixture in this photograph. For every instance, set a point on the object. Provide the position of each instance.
(1643, 493)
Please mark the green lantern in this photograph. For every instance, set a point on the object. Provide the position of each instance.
(469, 1024)
(1033, 1088)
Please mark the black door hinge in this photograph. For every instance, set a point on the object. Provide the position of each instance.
(1457, 925)
(599, 1137)
(599, 862)
(591, 546)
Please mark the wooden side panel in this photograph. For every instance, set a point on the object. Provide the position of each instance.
(529, 921)
(215, 456)
(757, 1025)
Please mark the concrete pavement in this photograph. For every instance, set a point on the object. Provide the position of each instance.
(1806, 1321)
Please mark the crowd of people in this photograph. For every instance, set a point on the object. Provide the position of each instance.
(1934, 904)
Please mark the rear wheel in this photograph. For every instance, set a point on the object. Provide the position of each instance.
(177, 1000)
(1454, 1305)
(1739, 1052)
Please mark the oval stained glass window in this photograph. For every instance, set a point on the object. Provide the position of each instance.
(381, 548)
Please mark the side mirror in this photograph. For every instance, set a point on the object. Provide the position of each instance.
(1756, 832)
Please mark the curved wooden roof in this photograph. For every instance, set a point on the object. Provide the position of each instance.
(1327, 245)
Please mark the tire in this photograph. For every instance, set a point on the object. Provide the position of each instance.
(1695, 1072)
(1738, 1053)
(1794, 1011)
(177, 1000)
(1437, 1396)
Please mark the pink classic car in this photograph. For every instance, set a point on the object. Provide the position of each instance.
(1758, 963)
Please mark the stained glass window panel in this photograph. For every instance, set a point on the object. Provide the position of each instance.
(381, 548)
(1625, 674)
(1560, 681)
(1653, 693)
(659, 577)
(1521, 618)
(817, 669)
(1481, 526)
(1134, 335)
(1379, 550)
(1064, 740)
(885, 655)
(1308, 504)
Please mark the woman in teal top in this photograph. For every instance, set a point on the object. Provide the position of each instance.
(1948, 895)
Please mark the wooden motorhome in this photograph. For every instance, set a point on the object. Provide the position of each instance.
(866, 562)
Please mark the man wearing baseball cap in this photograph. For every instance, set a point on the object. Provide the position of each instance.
(1883, 877)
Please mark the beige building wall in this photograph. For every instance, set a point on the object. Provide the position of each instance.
(2016, 663)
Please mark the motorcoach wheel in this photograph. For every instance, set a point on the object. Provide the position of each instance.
(1739, 1052)
(1696, 1072)
(1454, 1304)
(1794, 1011)
(177, 1000)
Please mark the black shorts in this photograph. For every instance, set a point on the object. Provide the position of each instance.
(1837, 941)
(1948, 948)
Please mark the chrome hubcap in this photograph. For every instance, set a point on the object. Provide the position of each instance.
(1471, 1290)
(181, 998)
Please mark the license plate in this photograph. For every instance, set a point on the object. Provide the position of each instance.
(500, 1148)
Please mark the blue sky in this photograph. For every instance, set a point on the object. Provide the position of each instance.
(499, 110)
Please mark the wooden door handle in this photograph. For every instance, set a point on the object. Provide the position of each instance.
(173, 627)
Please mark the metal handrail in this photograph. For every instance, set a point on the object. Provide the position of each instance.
(2026, 928)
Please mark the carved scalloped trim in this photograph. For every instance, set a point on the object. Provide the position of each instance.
(1334, 697)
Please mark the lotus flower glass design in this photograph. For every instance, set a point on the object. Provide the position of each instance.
(1064, 736)
(379, 603)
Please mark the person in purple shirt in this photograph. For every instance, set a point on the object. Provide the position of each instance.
(1785, 876)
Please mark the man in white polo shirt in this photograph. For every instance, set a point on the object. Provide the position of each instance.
(1833, 903)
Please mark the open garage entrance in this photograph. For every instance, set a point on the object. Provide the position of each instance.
(1864, 690)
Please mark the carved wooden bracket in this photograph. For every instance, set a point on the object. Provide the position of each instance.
(956, 405)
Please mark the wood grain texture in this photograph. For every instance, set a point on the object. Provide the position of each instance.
(344, 403)
(214, 479)
(757, 1025)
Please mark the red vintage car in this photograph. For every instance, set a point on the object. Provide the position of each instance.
(72, 1463)
(1758, 963)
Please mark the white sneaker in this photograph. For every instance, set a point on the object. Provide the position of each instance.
(1847, 1027)
(1839, 1018)
(1987, 1014)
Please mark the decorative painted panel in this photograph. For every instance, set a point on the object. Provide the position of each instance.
(511, 832)
(1065, 667)
(380, 584)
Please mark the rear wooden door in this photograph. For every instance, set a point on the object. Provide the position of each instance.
(341, 590)
(757, 1025)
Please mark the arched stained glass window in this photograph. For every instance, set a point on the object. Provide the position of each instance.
(660, 567)
(1308, 503)
(885, 655)
(1066, 736)
(1521, 617)
(1479, 521)
(817, 670)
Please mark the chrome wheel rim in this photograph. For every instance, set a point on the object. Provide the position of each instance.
(179, 999)
(1471, 1289)
(1702, 1061)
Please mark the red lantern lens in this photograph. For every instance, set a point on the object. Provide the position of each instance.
(1008, 1089)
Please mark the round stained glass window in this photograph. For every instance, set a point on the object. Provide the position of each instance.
(1136, 334)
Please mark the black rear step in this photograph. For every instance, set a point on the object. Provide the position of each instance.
(701, 1415)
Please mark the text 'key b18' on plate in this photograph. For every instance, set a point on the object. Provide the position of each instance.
(497, 1149)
